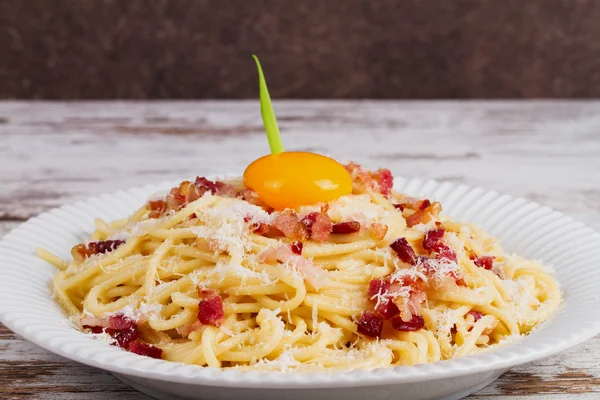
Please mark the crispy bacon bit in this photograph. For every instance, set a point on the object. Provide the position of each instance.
(477, 315)
(94, 329)
(457, 278)
(260, 228)
(310, 219)
(312, 273)
(124, 337)
(188, 192)
(432, 237)
(80, 252)
(404, 251)
(120, 322)
(379, 230)
(218, 188)
(429, 271)
(387, 309)
(370, 324)
(156, 207)
(442, 252)
(144, 349)
(318, 225)
(411, 305)
(424, 204)
(251, 197)
(210, 311)
(417, 322)
(346, 227)
(378, 286)
(485, 262)
(321, 228)
(384, 306)
(296, 247)
(385, 179)
(380, 181)
(292, 228)
(424, 215)
(104, 246)
(412, 204)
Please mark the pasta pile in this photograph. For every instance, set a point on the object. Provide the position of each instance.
(208, 275)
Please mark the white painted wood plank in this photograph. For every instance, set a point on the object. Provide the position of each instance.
(54, 153)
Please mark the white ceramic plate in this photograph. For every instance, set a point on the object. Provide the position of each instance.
(526, 228)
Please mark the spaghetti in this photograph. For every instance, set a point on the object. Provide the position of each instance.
(209, 275)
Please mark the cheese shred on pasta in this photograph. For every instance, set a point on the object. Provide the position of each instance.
(217, 280)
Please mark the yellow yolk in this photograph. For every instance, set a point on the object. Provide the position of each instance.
(292, 179)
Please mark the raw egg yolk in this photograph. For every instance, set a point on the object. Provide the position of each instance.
(292, 179)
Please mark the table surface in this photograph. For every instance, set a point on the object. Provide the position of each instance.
(55, 153)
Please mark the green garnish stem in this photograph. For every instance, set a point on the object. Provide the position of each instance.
(268, 115)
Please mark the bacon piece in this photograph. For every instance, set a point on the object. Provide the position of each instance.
(447, 255)
(94, 329)
(217, 188)
(120, 327)
(384, 307)
(124, 337)
(296, 248)
(485, 262)
(318, 225)
(346, 227)
(378, 230)
(80, 252)
(144, 349)
(121, 322)
(156, 207)
(404, 251)
(477, 315)
(370, 324)
(378, 286)
(292, 228)
(442, 251)
(412, 204)
(423, 216)
(408, 304)
(251, 197)
(188, 192)
(380, 181)
(400, 206)
(432, 237)
(260, 228)
(312, 273)
(210, 310)
(321, 228)
(104, 246)
(457, 278)
(176, 198)
(385, 180)
(417, 322)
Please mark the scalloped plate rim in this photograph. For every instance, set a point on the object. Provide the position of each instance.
(204, 376)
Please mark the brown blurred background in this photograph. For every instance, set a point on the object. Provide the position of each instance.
(101, 49)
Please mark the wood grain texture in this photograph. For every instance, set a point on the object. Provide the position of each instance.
(54, 153)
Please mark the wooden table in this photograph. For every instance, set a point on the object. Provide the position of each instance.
(55, 153)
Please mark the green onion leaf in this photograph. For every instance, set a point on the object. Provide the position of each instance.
(268, 115)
